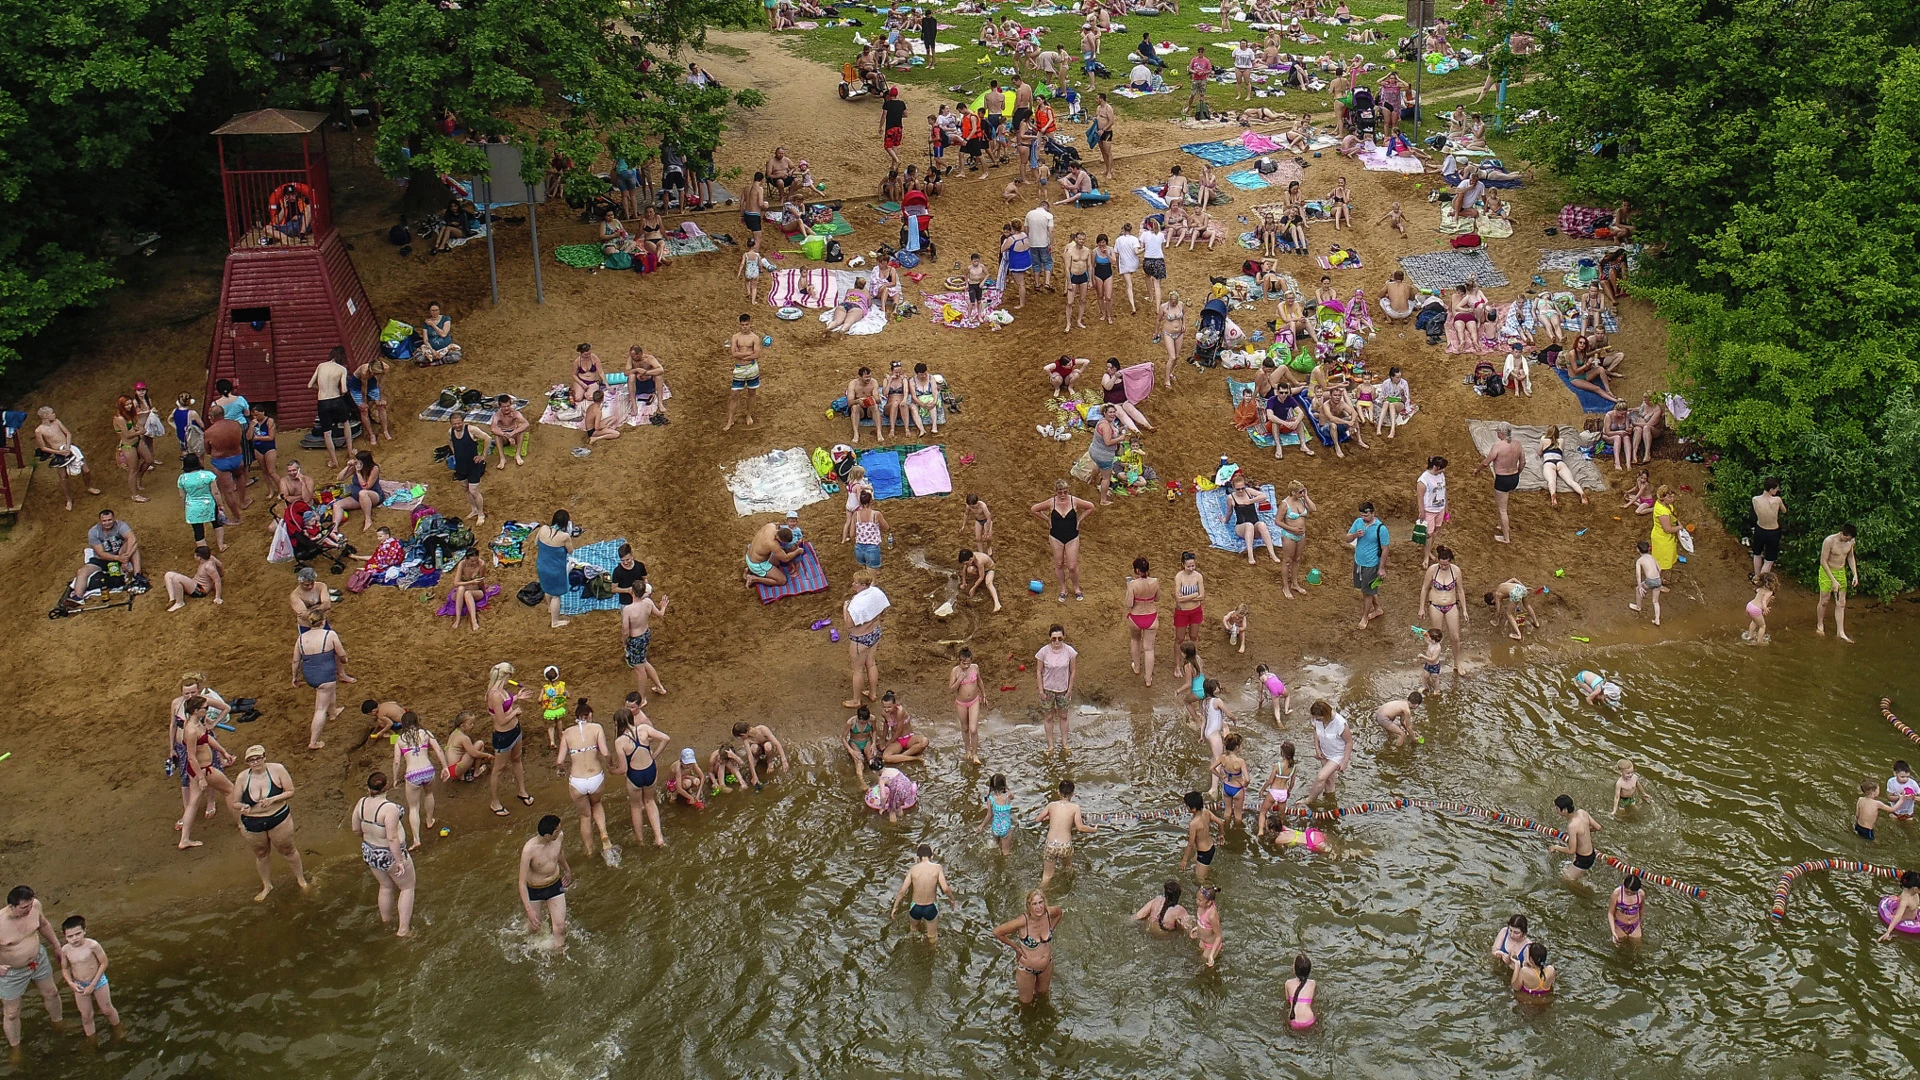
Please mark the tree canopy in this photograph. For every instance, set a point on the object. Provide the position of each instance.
(105, 105)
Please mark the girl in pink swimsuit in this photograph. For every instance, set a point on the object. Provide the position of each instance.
(1300, 994)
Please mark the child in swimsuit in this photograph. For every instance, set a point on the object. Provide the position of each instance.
(1757, 608)
(1231, 771)
(1626, 790)
(1430, 662)
(553, 703)
(1267, 686)
(859, 734)
(999, 817)
(1206, 924)
(1299, 991)
(1533, 975)
(1235, 624)
(1279, 789)
(856, 483)
(1623, 918)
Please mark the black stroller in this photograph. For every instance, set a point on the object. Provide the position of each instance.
(1061, 151)
(1364, 113)
(1211, 335)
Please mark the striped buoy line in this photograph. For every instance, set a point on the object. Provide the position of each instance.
(1135, 817)
(1368, 807)
(1886, 710)
(1851, 866)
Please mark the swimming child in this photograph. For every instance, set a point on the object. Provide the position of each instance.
(1757, 608)
(1235, 624)
(1267, 686)
(1623, 916)
(1279, 789)
(1902, 789)
(1533, 975)
(1430, 663)
(1594, 688)
(83, 963)
(1397, 717)
(1627, 789)
(1867, 811)
(999, 812)
(1200, 846)
(1206, 924)
(1908, 908)
(553, 703)
(1510, 944)
(1231, 771)
(1647, 581)
(1299, 991)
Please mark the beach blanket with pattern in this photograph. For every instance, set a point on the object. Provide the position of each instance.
(690, 245)
(804, 575)
(481, 414)
(486, 594)
(1578, 220)
(1376, 159)
(824, 288)
(1213, 506)
(1561, 260)
(1528, 439)
(1239, 391)
(604, 555)
(774, 483)
(1438, 270)
(579, 256)
(837, 227)
(936, 303)
(619, 401)
(1490, 228)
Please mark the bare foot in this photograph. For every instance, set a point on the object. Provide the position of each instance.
(185, 844)
(1633, 607)
(854, 704)
(561, 623)
(1844, 638)
(177, 605)
(262, 894)
(316, 745)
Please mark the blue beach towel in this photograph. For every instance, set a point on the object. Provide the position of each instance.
(1219, 153)
(1213, 504)
(606, 556)
(1247, 180)
(1589, 401)
(883, 472)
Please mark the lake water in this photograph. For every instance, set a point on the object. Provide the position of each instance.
(756, 944)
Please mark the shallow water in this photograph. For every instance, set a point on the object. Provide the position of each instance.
(756, 946)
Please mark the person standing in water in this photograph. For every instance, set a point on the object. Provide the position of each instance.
(1143, 615)
(83, 963)
(1031, 938)
(1334, 738)
(1206, 924)
(24, 960)
(636, 739)
(1397, 717)
(503, 705)
(383, 847)
(1200, 846)
(926, 881)
(1623, 915)
(1836, 559)
(1063, 819)
(1056, 668)
(964, 683)
(1647, 582)
(262, 793)
(582, 756)
(1579, 834)
(1767, 508)
(1510, 944)
(544, 878)
(1533, 975)
(1627, 789)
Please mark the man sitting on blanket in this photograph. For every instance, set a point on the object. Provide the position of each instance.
(768, 555)
(1076, 185)
(863, 401)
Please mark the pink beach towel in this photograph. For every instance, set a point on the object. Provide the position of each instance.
(1138, 381)
(926, 472)
(1258, 143)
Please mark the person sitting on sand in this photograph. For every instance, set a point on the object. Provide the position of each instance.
(206, 579)
(600, 422)
(768, 555)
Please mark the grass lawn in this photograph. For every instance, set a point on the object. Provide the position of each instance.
(835, 45)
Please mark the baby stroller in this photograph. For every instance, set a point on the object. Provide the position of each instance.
(1211, 335)
(1365, 113)
(916, 223)
(1062, 153)
(311, 539)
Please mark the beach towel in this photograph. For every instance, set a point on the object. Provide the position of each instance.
(487, 594)
(1130, 92)
(1492, 228)
(804, 575)
(1438, 270)
(1578, 220)
(774, 483)
(1138, 381)
(579, 256)
(1376, 159)
(1247, 180)
(926, 472)
(405, 496)
(1258, 143)
(1562, 260)
(1213, 506)
(837, 227)
(886, 207)
(691, 245)
(481, 414)
(604, 555)
(1585, 469)
(1152, 197)
(1590, 402)
(1609, 323)
(936, 303)
(1349, 264)
(874, 321)
(824, 287)
(884, 474)
(1219, 153)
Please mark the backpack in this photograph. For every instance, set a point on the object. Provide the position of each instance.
(833, 252)
(530, 594)
(1486, 379)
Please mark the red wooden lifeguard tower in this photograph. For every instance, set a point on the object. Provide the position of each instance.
(290, 294)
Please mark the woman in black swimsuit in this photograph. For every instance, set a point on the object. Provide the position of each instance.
(1103, 275)
(1243, 510)
(636, 741)
(1031, 938)
(262, 792)
(1063, 514)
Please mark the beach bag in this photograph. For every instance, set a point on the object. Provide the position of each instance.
(619, 260)
(822, 461)
(530, 594)
(1083, 470)
(1465, 240)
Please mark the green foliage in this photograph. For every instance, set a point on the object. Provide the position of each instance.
(1776, 174)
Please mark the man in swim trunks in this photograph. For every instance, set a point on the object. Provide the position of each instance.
(744, 350)
(753, 203)
(1063, 819)
(1579, 836)
(863, 400)
(336, 410)
(1836, 559)
(1504, 459)
(1103, 124)
(926, 881)
(637, 612)
(768, 555)
(53, 442)
(544, 878)
(1200, 846)
(226, 456)
(1767, 508)
(24, 960)
(781, 171)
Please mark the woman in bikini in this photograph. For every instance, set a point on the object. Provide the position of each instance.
(652, 235)
(964, 682)
(1299, 991)
(126, 433)
(1031, 938)
(1553, 465)
(383, 839)
(1064, 514)
(863, 640)
(364, 491)
(582, 756)
(261, 794)
(1143, 616)
(1243, 512)
(903, 745)
(1510, 944)
(1189, 600)
(637, 741)
(1440, 595)
(923, 395)
(1623, 915)
(1113, 395)
(1293, 538)
(202, 757)
(1164, 912)
(1533, 976)
(503, 706)
(857, 738)
(149, 424)
(1340, 204)
(1173, 329)
(896, 411)
(588, 376)
(414, 747)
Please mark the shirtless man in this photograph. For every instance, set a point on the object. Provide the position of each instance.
(976, 569)
(1103, 122)
(54, 442)
(227, 458)
(762, 746)
(1200, 847)
(1079, 265)
(296, 485)
(544, 879)
(768, 555)
(1022, 101)
(329, 384)
(1767, 508)
(1063, 819)
(926, 881)
(863, 402)
(24, 960)
(744, 349)
(1836, 559)
(1580, 829)
(1396, 300)
(781, 171)
(509, 429)
(309, 595)
(753, 203)
(637, 612)
(1504, 459)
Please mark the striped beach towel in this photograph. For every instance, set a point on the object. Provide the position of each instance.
(804, 575)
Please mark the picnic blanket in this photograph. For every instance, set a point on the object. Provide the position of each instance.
(804, 575)
(774, 483)
(1153, 198)
(487, 594)
(936, 303)
(1219, 153)
(604, 555)
(837, 227)
(1562, 260)
(1491, 228)
(1438, 270)
(1376, 159)
(824, 287)
(1590, 402)
(1528, 439)
(1238, 391)
(619, 400)
(1130, 92)
(690, 245)
(481, 414)
(1138, 381)
(874, 321)
(926, 472)
(1213, 506)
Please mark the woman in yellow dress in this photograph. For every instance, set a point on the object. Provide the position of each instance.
(1665, 533)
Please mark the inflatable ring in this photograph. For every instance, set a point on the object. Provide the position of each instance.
(788, 313)
(956, 283)
(1890, 904)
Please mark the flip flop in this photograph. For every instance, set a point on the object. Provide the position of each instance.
(526, 799)
(501, 811)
